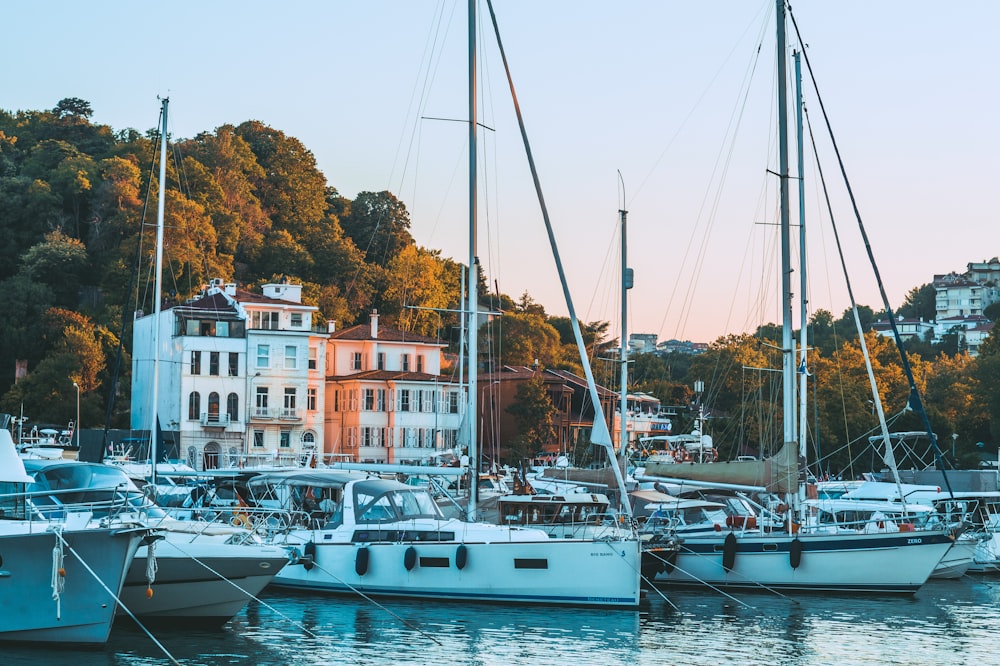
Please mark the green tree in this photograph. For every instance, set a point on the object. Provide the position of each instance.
(920, 303)
(533, 411)
(60, 262)
(379, 225)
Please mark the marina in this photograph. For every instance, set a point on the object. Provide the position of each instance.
(946, 622)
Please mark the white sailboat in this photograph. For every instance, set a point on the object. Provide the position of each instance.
(387, 538)
(804, 554)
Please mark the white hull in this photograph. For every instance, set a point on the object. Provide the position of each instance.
(205, 583)
(85, 609)
(987, 558)
(957, 561)
(887, 562)
(546, 572)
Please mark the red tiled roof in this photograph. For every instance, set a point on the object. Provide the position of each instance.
(385, 334)
(393, 375)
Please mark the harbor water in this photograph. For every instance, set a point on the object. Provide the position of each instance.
(946, 622)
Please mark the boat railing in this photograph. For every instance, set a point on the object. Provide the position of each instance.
(112, 504)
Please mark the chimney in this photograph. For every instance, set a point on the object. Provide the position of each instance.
(374, 324)
(331, 325)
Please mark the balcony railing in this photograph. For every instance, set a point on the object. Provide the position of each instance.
(209, 420)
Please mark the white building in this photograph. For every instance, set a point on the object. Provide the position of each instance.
(386, 400)
(240, 376)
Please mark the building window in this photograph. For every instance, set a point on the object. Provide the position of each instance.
(289, 400)
(309, 438)
(381, 360)
(380, 400)
(233, 407)
(291, 357)
(311, 399)
(427, 401)
(420, 362)
(453, 402)
(213, 363)
(405, 362)
(404, 400)
(356, 361)
(369, 400)
(296, 319)
(213, 406)
(222, 329)
(336, 401)
(258, 438)
(264, 320)
(263, 356)
(234, 364)
(196, 363)
(261, 402)
(194, 405)
(312, 358)
(286, 439)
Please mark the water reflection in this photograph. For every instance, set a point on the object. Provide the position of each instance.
(946, 622)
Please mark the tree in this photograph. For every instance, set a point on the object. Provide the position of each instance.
(920, 303)
(60, 262)
(379, 225)
(533, 411)
(419, 286)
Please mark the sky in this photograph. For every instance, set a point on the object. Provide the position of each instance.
(665, 108)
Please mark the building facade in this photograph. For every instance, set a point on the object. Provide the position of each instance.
(239, 376)
(386, 399)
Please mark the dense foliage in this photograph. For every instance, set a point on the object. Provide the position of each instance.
(247, 203)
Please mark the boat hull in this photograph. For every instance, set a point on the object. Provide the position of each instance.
(202, 583)
(957, 561)
(861, 563)
(85, 609)
(545, 572)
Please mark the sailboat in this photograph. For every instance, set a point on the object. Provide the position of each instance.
(390, 539)
(811, 550)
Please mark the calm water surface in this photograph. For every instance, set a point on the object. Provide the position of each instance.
(947, 622)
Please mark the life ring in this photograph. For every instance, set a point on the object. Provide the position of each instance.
(461, 557)
(410, 558)
(361, 561)
(241, 520)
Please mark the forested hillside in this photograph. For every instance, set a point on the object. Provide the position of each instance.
(247, 203)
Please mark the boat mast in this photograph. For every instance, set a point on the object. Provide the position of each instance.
(803, 299)
(787, 342)
(472, 282)
(158, 289)
(626, 285)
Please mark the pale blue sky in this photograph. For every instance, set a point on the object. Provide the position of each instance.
(648, 88)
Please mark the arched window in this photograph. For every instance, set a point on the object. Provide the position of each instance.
(233, 407)
(194, 405)
(308, 437)
(213, 406)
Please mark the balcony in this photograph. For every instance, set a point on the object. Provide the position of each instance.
(209, 420)
(290, 414)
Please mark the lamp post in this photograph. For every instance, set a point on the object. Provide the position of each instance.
(76, 427)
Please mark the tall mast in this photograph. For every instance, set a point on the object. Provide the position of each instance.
(787, 342)
(803, 298)
(154, 428)
(472, 283)
(626, 285)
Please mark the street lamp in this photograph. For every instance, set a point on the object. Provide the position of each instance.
(77, 426)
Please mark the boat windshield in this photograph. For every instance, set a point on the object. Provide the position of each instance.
(393, 505)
